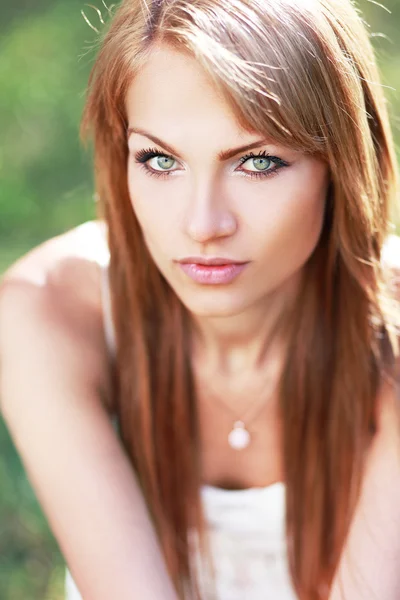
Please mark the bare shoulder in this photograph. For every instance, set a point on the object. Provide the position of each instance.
(52, 296)
(384, 457)
(391, 263)
(60, 259)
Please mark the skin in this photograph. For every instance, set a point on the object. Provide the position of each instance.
(55, 365)
(211, 208)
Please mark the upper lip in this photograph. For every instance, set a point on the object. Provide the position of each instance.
(205, 260)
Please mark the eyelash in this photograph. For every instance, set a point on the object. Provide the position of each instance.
(144, 156)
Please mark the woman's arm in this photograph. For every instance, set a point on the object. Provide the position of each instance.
(50, 401)
(370, 565)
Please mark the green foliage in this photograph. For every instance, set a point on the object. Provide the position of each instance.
(46, 51)
(46, 188)
(44, 68)
(30, 556)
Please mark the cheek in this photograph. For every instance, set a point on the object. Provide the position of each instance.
(154, 215)
(292, 220)
(304, 217)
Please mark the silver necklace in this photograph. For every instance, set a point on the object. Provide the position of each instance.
(239, 437)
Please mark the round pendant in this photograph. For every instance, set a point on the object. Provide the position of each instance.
(239, 437)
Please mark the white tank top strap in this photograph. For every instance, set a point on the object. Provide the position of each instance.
(109, 330)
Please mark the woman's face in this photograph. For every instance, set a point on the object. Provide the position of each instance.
(193, 201)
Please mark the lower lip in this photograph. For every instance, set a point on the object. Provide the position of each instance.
(213, 274)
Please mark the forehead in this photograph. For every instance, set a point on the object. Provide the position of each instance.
(172, 88)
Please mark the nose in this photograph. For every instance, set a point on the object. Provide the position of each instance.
(209, 216)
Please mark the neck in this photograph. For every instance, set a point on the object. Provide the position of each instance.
(245, 342)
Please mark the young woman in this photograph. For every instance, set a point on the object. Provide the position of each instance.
(241, 267)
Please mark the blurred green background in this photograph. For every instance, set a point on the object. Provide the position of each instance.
(46, 52)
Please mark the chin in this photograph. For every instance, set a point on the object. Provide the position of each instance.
(211, 304)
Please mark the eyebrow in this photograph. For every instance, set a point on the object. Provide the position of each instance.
(222, 156)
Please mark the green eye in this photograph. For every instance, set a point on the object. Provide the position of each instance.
(261, 163)
(165, 162)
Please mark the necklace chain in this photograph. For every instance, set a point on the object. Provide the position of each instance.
(239, 437)
(243, 419)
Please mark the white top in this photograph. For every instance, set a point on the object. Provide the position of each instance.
(247, 527)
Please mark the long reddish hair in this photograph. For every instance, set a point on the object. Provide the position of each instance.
(303, 73)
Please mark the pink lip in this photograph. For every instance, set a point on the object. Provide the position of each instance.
(207, 260)
(213, 274)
